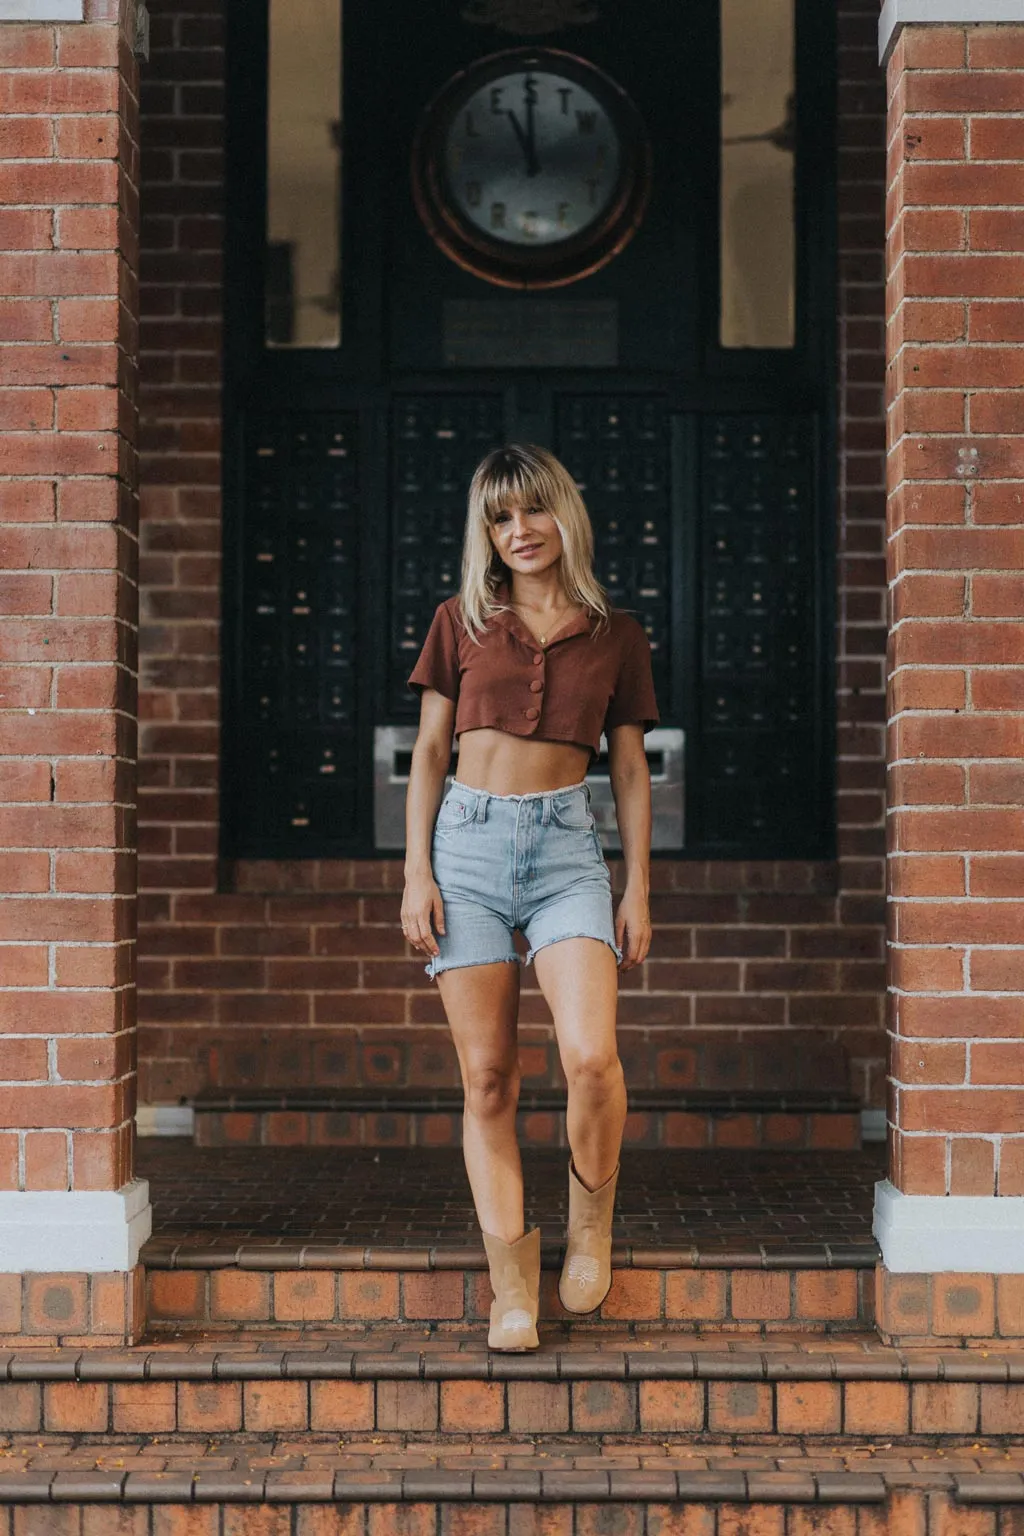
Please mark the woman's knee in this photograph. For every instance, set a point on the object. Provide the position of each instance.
(491, 1091)
(595, 1072)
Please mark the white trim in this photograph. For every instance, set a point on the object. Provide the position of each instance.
(873, 1125)
(941, 1234)
(61, 1231)
(42, 10)
(897, 14)
(165, 1120)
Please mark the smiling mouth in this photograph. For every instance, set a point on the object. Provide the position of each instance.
(530, 549)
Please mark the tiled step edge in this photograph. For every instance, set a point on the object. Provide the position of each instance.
(93, 1365)
(175, 1253)
(419, 1485)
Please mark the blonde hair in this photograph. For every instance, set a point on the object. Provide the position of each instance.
(524, 474)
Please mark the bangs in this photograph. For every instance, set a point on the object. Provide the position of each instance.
(507, 477)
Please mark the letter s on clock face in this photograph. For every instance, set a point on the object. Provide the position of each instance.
(531, 168)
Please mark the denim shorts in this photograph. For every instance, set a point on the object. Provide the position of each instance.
(531, 862)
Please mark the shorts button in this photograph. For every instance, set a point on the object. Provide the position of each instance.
(532, 714)
(536, 686)
(537, 660)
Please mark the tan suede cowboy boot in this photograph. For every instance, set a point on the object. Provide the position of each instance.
(587, 1272)
(515, 1281)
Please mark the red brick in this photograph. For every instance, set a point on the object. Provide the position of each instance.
(71, 1407)
(876, 1407)
(276, 1406)
(368, 1296)
(809, 1407)
(472, 1407)
(304, 1295)
(344, 1406)
(209, 1407)
(673, 1406)
(739, 1407)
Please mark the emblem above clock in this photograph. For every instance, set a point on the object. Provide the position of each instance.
(531, 168)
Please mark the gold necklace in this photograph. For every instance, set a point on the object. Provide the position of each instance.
(543, 639)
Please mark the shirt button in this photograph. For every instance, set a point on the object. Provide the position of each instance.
(537, 660)
(536, 686)
(532, 714)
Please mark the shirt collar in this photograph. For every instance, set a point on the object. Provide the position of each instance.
(510, 620)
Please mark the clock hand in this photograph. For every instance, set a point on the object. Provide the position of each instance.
(524, 142)
(530, 98)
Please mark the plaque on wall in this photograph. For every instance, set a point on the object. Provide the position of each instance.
(531, 333)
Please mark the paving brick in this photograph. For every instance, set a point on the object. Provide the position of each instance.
(74, 1406)
(239, 1295)
(210, 1407)
(368, 1297)
(809, 1407)
(275, 1405)
(674, 1406)
(538, 1407)
(472, 1407)
(739, 1407)
(408, 1405)
(342, 1405)
(876, 1408)
(303, 1296)
(603, 1406)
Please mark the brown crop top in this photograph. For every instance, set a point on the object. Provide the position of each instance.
(578, 685)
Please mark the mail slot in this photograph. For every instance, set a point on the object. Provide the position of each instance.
(392, 759)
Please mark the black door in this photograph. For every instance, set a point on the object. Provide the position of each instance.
(701, 435)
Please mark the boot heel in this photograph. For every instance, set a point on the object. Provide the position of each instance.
(515, 1281)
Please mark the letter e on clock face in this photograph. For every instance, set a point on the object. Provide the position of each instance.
(531, 168)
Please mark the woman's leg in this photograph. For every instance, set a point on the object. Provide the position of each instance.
(579, 979)
(482, 1004)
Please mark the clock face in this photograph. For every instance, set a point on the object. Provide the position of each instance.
(532, 158)
(530, 168)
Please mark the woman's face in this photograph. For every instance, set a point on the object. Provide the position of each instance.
(526, 538)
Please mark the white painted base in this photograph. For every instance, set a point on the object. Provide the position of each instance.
(872, 1125)
(942, 1234)
(897, 14)
(165, 1120)
(61, 1231)
(42, 10)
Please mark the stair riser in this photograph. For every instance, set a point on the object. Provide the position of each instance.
(867, 1410)
(932, 1514)
(744, 1300)
(539, 1128)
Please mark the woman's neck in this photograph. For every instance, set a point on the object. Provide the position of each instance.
(542, 593)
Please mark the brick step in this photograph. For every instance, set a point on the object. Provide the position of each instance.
(216, 1283)
(303, 1487)
(853, 1389)
(678, 1117)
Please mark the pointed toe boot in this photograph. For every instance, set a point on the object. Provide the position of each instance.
(587, 1271)
(515, 1281)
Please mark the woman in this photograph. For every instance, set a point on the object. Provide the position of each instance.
(527, 666)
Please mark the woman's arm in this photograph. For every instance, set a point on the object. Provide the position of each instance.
(422, 909)
(631, 787)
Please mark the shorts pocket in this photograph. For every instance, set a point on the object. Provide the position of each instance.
(572, 811)
(454, 815)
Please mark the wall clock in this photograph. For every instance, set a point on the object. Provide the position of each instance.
(531, 168)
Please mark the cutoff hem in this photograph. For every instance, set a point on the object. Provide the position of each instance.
(533, 794)
(437, 969)
(597, 938)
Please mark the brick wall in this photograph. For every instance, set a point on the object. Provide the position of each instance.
(956, 540)
(68, 178)
(759, 973)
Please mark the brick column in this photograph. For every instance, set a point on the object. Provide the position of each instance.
(954, 1201)
(72, 1215)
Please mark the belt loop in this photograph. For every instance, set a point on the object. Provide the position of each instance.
(481, 807)
(545, 815)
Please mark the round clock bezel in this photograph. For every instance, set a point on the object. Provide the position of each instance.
(522, 266)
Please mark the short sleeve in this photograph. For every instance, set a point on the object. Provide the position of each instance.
(438, 664)
(633, 701)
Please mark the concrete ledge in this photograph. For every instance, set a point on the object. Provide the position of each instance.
(897, 14)
(57, 1231)
(165, 1120)
(42, 10)
(939, 1234)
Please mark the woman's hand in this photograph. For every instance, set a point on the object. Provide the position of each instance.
(422, 913)
(633, 927)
